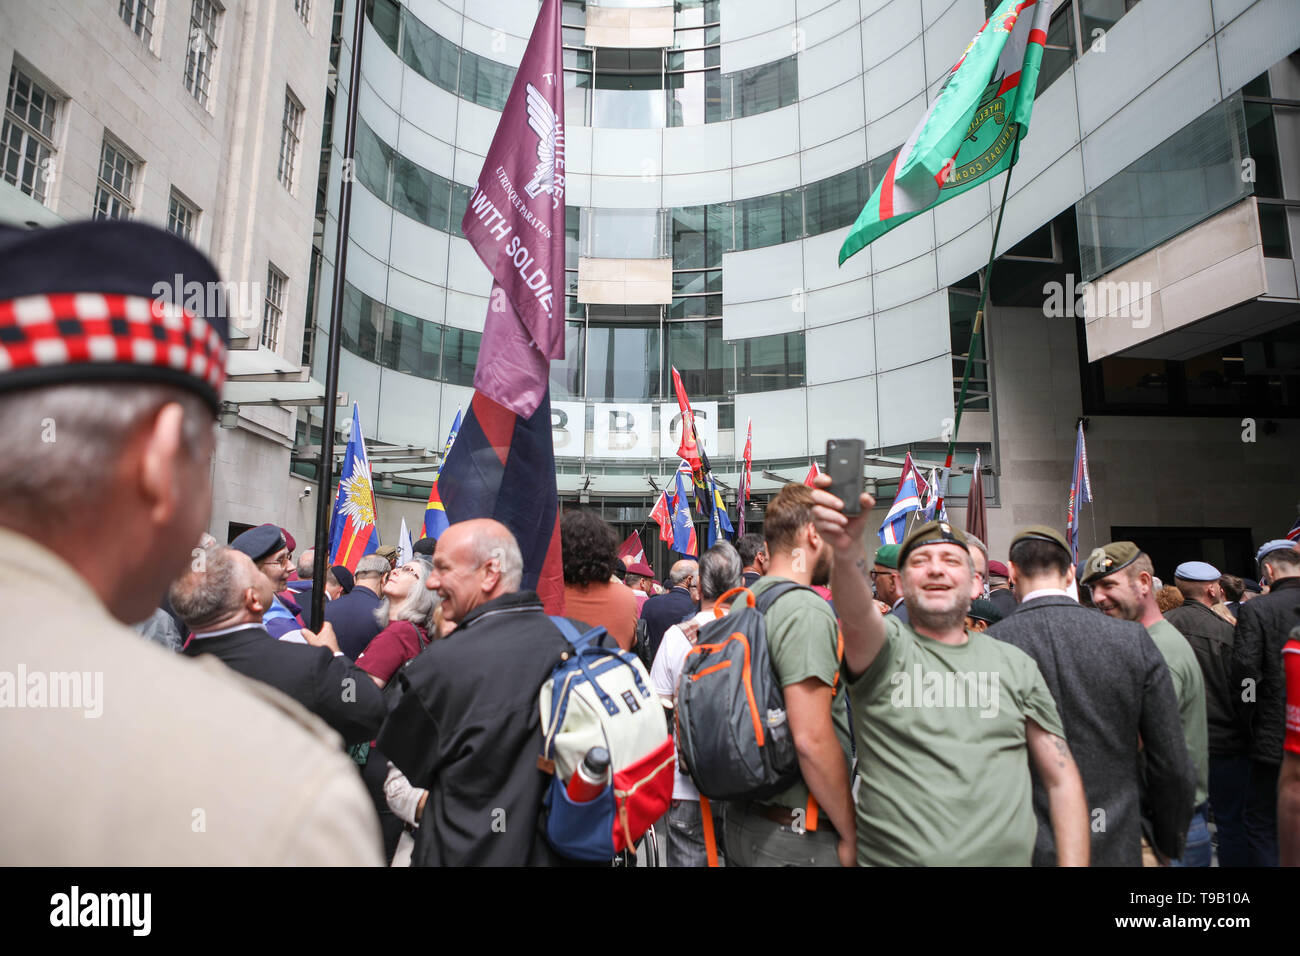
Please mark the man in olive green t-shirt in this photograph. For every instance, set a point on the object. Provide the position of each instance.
(1120, 576)
(802, 640)
(946, 720)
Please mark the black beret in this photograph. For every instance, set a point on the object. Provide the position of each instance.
(259, 543)
(344, 577)
(110, 301)
(425, 546)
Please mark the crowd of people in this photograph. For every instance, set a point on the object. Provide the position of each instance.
(946, 707)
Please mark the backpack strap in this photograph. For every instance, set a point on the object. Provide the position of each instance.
(710, 838)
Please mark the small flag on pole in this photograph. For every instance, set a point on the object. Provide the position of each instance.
(632, 548)
(1080, 491)
(662, 515)
(977, 522)
(435, 515)
(405, 546)
(1294, 533)
(352, 529)
(684, 539)
(813, 471)
(690, 449)
(719, 522)
(746, 477)
(910, 488)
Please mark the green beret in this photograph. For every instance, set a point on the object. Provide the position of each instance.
(1041, 532)
(932, 532)
(1107, 560)
(887, 556)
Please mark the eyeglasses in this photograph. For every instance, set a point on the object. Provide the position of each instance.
(285, 562)
(408, 570)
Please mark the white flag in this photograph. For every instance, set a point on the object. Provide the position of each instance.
(405, 548)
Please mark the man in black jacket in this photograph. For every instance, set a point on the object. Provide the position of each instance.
(1210, 637)
(682, 600)
(1262, 628)
(222, 601)
(467, 726)
(353, 615)
(1111, 685)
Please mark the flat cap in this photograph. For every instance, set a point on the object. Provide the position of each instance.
(984, 610)
(110, 301)
(1277, 544)
(1107, 560)
(1196, 571)
(1041, 532)
(887, 556)
(386, 551)
(932, 532)
(259, 543)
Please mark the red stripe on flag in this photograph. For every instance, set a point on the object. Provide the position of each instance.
(550, 583)
(887, 191)
(497, 422)
(1009, 82)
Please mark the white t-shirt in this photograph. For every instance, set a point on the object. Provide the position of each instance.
(664, 672)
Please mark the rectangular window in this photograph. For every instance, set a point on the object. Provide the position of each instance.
(205, 18)
(835, 202)
(768, 220)
(622, 363)
(413, 345)
(566, 373)
(138, 15)
(459, 355)
(695, 350)
(372, 161)
(182, 217)
(1058, 50)
(290, 137)
(769, 362)
(273, 311)
(115, 190)
(28, 136)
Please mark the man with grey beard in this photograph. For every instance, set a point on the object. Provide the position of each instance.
(947, 721)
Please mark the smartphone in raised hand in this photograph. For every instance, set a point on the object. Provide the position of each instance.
(845, 459)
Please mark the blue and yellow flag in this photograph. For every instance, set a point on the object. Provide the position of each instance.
(435, 513)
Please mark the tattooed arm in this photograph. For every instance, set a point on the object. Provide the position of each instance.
(1066, 802)
(860, 620)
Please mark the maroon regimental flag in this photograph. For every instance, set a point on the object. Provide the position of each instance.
(515, 222)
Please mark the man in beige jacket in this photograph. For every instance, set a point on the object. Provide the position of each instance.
(115, 751)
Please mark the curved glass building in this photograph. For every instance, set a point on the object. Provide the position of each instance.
(718, 151)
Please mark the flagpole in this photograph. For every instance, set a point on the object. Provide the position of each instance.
(325, 470)
(978, 327)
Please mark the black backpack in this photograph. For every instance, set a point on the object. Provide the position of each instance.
(733, 737)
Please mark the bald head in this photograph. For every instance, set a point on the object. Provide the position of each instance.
(222, 588)
(682, 572)
(477, 561)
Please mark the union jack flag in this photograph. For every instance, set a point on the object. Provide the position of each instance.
(911, 486)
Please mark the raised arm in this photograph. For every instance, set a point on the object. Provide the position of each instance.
(860, 620)
(1066, 802)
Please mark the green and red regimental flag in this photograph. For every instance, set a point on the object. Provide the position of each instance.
(970, 132)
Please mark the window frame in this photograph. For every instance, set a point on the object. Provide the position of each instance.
(291, 124)
(200, 63)
(45, 148)
(176, 199)
(273, 308)
(117, 198)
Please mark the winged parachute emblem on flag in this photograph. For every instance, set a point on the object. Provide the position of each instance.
(546, 124)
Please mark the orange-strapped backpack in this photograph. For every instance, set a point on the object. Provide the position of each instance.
(733, 738)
